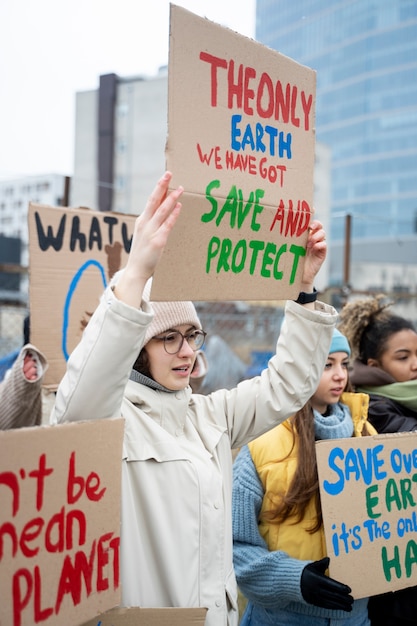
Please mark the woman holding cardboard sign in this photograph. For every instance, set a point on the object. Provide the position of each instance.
(385, 367)
(135, 360)
(279, 545)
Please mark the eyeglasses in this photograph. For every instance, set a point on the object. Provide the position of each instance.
(173, 341)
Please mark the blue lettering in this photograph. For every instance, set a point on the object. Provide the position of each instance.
(337, 487)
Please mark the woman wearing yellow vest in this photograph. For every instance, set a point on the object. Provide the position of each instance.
(279, 548)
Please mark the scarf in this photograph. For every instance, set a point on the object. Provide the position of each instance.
(137, 377)
(404, 393)
(337, 425)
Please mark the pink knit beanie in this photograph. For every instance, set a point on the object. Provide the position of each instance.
(168, 314)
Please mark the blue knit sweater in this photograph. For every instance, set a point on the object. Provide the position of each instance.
(269, 579)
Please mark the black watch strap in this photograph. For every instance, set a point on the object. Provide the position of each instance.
(305, 298)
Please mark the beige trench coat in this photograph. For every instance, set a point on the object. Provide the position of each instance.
(176, 536)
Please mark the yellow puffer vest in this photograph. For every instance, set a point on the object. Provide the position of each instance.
(275, 457)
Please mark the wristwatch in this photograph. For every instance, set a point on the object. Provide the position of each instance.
(305, 298)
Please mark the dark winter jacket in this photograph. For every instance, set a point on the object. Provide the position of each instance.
(387, 416)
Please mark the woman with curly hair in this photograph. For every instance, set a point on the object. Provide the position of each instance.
(385, 367)
(384, 347)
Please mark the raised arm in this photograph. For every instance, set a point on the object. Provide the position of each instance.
(150, 236)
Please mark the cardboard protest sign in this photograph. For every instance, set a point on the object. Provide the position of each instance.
(59, 522)
(150, 617)
(368, 488)
(73, 255)
(241, 141)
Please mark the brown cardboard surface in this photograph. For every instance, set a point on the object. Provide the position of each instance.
(241, 141)
(60, 522)
(368, 492)
(150, 617)
(73, 255)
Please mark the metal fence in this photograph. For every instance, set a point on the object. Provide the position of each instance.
(241, 336)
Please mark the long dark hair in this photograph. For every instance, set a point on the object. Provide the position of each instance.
(141, 364)
(305, 483)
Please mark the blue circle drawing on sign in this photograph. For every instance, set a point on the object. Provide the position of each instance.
(71, 291)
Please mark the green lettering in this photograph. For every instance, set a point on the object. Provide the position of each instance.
(256, 246)
(406, 495)
(223, 262)
(230, 206)
(371, 501)
(297, 251)
(410, 557)
(213, 249)
(207, 217)
(277, 273)
(257, 209)
(243, 212)
(393, 563)
(267, 260)
(241, 249)
(392, 495)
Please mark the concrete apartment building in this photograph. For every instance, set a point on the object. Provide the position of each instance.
(120, 134)
(15, 196)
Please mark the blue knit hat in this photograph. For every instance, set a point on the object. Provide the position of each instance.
(339, 343)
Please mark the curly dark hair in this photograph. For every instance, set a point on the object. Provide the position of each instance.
(368, 325)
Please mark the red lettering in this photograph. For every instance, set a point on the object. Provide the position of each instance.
(115, 546)
(249, 94)
(292, 223)
(262, 95)
(10, 480)
(40, 614)
(203, 156)
(9, 528)
(77, 484)
(215, 63)
(73, 482)
(70, 579)
(40, 474)
(82, 525)
(20, 601)
(31, 531)
(75, 580)
(279, 215)
(306, 104)
(92, 487)
(57, 522)
(265, 82)
(282, 104)
(102, 562)
(235, 89)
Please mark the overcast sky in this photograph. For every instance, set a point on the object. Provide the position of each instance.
(50, 49)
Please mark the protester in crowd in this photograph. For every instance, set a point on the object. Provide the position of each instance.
(199, 371)
(279, 546)
(21, 390)
(385, 366)
(135, 359)
(384, 347)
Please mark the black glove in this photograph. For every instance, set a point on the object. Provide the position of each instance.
(320, 590)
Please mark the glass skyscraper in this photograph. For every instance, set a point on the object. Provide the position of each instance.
(365, 55)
